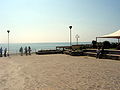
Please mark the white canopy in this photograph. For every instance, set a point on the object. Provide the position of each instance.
(112, 35)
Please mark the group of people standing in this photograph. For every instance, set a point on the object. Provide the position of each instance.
(27, 50)
(1, 52)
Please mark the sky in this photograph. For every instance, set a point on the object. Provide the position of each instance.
(33, 21)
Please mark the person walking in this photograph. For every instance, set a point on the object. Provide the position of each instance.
(98, 53)
(29, 50)
(26, 51)
(1, 52)
(21, 51)
(5, 52)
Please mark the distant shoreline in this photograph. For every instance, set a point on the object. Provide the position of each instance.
(14, 47)
(44, 42)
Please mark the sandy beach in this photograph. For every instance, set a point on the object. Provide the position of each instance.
(58, 72)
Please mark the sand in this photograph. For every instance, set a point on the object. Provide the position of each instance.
(58, 72)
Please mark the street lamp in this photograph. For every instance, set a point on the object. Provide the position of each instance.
(70, 35)
(8, 41)
(77, 37)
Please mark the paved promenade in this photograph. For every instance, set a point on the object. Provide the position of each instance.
(58, 72)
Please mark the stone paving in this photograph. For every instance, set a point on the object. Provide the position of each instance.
(58, 72)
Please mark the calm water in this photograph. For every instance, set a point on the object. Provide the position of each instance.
(14, 48)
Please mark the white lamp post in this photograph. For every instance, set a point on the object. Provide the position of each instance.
(8, 41)
(77, 37)
(70, 35)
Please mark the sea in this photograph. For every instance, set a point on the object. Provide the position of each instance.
(14, 47)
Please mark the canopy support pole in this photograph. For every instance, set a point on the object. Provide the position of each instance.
(96, 39)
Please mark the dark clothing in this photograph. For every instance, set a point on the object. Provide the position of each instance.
(5, 52)
(21, 51)
(29, 50)
(26, 51)
(1, 52)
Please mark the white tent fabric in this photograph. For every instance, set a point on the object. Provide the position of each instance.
(112, 35)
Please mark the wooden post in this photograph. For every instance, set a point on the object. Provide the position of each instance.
(96, 39)
(118, 41)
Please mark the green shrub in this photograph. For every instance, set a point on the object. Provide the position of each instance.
(94, 44)
(106, 44)
(114, 45)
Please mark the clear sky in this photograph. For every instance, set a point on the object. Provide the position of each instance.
(49, 20)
